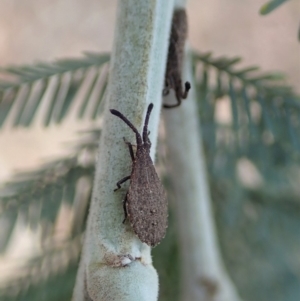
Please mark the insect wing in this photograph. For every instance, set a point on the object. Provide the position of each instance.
(147, 205)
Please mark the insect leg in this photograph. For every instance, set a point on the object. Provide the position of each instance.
(121, 182)
(125, 209)
(130, 149)
(187, 86)
(176, 104)
(180, 95)
(166, 90)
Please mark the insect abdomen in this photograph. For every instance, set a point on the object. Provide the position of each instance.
(147, 204)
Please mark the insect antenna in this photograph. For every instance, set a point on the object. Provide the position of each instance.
(145, 130)
(121, 116)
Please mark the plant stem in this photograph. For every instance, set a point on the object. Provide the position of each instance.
(203, 274)
(115, 264)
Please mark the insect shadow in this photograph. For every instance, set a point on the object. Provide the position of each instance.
(145, 203)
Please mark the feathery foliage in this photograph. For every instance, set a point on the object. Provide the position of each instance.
(258, 226)
(259, 235)
(261, 221)
(265, 114)
(24, 89)
(46, 277)
(263, 109)
(270, 6)
(63, 181)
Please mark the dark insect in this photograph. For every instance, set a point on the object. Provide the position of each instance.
(145, 203)
(175, 58)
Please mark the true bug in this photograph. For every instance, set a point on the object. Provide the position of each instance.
(145, 204)
(175, 58)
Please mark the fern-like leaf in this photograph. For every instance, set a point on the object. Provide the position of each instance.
(259, 234)
(275, 120)
(270, 6)
(56, 183)
(24, 89)
(47, 277)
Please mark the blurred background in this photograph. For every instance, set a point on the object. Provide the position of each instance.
(32, 31)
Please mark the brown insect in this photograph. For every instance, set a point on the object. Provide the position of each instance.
(145, 203)
(175, 58)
